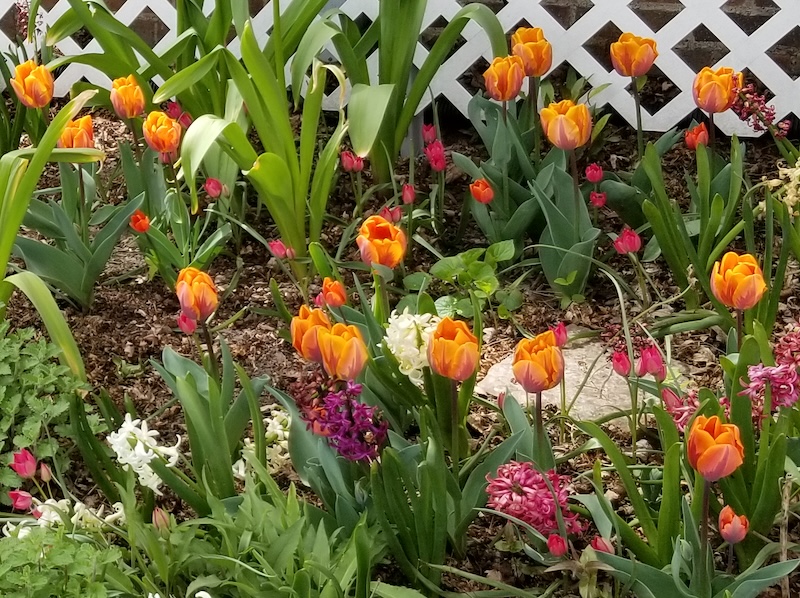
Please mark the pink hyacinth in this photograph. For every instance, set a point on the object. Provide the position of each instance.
(522, 492)
(682, 409)
(787, 349)
(783, 382)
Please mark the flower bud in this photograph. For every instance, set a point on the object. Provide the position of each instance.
(20, 500)
(44, 473)
(651, 362)
(601, 544)
(351, 162)
(557, 545)
(214, 188)
(161, 521)
(435, 154)
(140, 222)
(696, 136)
(428, 133)
(597, 198)
(24, 464)
(393, 215)
(409, 194)
(628, 241)
(621, 363)
(482, 191)
(732, 527)
(594, 173)
(277, 248)
(560, 333)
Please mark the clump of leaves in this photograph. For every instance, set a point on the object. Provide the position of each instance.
(46, 564)
(35, 390)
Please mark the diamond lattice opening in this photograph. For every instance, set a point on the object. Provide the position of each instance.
(598, 45)
(566, 13)
(472, 78)
(785, 54)
(659, 91)
(655, 16)
(750, 19)
(432, 33)
(701, 48)
(149, 26)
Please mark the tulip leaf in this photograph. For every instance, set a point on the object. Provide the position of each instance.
(366, 110)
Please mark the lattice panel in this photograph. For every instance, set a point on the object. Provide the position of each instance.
(751, 51)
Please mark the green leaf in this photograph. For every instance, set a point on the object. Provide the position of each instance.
(365, 111)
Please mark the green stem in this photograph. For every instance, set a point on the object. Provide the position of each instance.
(704, 548)
(633, 385)
(564, 411)
(455, 425)
(212, 359)
(712, 138)
(573, 163)
(739, 328)
(381, 307)
(83, 215)
(533, 101)
(639, 132)
(640, 276)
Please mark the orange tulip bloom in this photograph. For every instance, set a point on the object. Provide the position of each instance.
(714, 449)
(535, 51)
(197, 294)
(482, 191)
(127, 97)
(162, 133)
(696, 136)
(343, 351)
(567, 125)
(453, 350)
(715, 91)
(77, 133)
(632, 56)
(381, 242)
(538, 364)
(737, 281)
(304, 328)
(504, 77)
(333, 293)
(33, 84)
(732, 527)
(140, 222)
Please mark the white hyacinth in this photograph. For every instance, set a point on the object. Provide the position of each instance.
(407, 337)
(53, 513)
(276, 433)
(136, 446)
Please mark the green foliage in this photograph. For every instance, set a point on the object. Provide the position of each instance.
(46, 564)
(35, 395)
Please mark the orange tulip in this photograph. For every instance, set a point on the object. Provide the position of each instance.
(737, 281)
(127, 97)
(343, 351)
(714, 449)
(333, 293)
(567, 125)
(535, 51)
(77, 133)
(162, 133)
(632, 56)
(197, 294)
(305, 328)
(33, 84)
(453, 350)
(538, 364)
(732, 527)
(381, 242)
(482, 191)
(504, 77)
(715, 91)
(696, 136)
(140, 222)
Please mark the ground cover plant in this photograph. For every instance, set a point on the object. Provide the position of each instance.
(265, 333)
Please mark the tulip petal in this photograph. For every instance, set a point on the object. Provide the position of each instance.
(719, 461)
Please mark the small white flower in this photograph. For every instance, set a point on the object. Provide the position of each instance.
(22, 529)
(51, 512)
(276, 435)
(136, 446)
(407, 337)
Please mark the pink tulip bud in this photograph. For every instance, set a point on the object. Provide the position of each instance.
(501, 400)
(594, 173)
(621, 363)
(601, 544)
(214, 188)
(290, 253)
(278, 248)
(650, 362)
(409, 194)
(161, 521)
(20, 500)
(557, 545)
(436, 157)
(597, 199)
(560, 332)
(186, 324)
(628, 241)
(24, 464)
(45, 473)
(393, 215)
(175, 111)
(351, 162)
(428, 133)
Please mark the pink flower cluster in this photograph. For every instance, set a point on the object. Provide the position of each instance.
(520, 491)
(434, 149)
(681, 408)
(752, 106)
(787, 349)
(783, 382)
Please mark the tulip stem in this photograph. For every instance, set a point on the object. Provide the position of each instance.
(455, 420)
(704, 548)
(573, 163)
(637, 100)
(729, 570)
(212, 359)
(640, 276)
(633, 386)
(533, 105)
(712, 136)
(739, 328)
(564, 411)
(83, 215)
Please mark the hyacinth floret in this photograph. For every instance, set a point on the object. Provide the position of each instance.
(521, 491)
(355, 430)
(783, 382)
(683, 408)
(407, 337)
(136, 446)
(751, 107)
(787, 349)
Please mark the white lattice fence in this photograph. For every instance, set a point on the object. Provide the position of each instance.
(745, 51)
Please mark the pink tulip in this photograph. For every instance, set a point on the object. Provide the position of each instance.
(393, 215)
(671, 399)
(351, 162)
(557, 545)
(20, 500)
(650, 362)
(597, 199)
(560, 333)
(214, 188)
(594, 173)
(409, 194)
(186, 324)
(428, 133)
(24, 464)
(628, 241)
(44, 473)
(278, 248)
(621, 364)
(601, 544)
(175, 111)
(436, 157)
